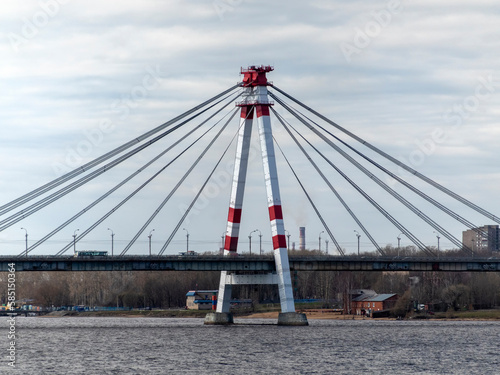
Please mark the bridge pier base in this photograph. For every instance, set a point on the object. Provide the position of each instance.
(292, 319)
(216, 318)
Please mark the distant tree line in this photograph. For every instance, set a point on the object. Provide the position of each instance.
(167, 289)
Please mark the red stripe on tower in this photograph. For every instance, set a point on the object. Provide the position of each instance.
(247, 112)
(279, 241)
(262, 110)
(231, 243)
(275, 213)
(234, 215)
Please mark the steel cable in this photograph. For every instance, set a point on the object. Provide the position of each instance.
(22, 214)
(346, 206)
(68, 176)
(397, 162)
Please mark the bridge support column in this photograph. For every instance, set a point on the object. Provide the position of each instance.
(256, 99)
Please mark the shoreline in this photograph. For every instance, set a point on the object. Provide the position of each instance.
(326, 314)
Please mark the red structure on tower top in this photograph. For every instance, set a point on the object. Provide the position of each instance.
(255, 75)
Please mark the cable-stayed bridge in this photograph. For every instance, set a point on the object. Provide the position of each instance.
(322, 142)
(155, 166)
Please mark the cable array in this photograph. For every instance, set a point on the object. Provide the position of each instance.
(213, 117)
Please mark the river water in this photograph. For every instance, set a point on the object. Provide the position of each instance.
(76, 345)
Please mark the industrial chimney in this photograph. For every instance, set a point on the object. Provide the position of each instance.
(302, 238)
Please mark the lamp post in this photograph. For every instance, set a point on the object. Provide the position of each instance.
(74, 241)
(326, 245)
(112, 241)
(260, 241)
(250, 241)
(359, 236)
(399, 242)
(187, 241)
(319, 240)
(222, 241)
(288, 237)
(149, 238)
(26, 238)
(437, 236)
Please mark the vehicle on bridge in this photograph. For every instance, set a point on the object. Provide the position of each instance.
(91, 254)
(188, 253)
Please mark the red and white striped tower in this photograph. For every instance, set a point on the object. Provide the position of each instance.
(256, 98)
(239, 179)
(236, 201)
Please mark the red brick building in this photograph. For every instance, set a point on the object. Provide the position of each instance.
(366, 304)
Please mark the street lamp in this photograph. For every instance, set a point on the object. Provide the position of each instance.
(250, 241)
(112, 241)
(74, 241)
(26, 238)
(149, 238)
(260, 240)
(326, 242)
(319, 247)
(187, 241)
(399, 241)
(359, 236)
(437, 236)
(222, 240)
(288, 237)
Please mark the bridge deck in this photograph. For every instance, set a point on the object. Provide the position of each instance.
(249, 263)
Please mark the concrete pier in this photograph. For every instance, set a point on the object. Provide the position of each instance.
(215, 318)
(292, 319)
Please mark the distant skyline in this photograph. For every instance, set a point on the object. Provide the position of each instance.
(418, 80)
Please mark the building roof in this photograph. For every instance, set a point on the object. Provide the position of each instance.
(195, 292)
(374, 298)
(381, 297)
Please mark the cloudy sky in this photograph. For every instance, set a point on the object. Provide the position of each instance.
(419, 80)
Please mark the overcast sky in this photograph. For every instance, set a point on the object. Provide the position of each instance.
(419, 80)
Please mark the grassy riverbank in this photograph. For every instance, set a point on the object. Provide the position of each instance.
(469, 315)
(272, 313)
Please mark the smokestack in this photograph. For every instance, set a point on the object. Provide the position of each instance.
(302, 238)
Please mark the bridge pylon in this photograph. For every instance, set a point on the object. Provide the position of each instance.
(256, 102)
